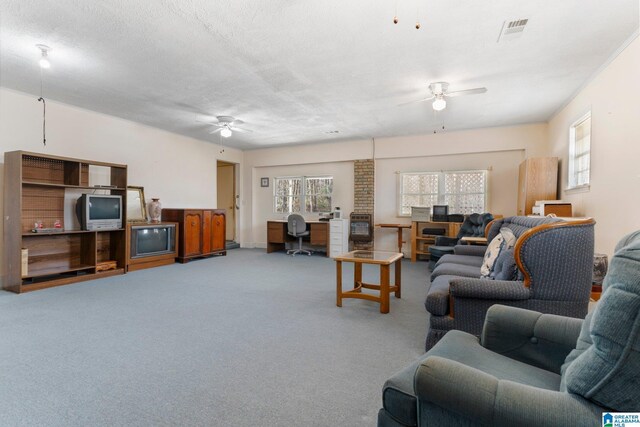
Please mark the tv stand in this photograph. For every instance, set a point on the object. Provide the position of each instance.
(34, 191)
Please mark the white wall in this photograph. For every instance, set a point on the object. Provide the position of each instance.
(502, 185)
(501, 148)
(181, 171)
(613, 198)
(342, 173)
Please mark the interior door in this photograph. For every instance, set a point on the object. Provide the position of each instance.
(227, 196)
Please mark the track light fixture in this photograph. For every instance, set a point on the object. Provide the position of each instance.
(44, 56)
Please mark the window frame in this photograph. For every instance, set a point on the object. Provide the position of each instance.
(573, 158)
(303, 192)
(441, 187)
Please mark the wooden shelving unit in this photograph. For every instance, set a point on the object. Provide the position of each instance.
(420, 242)
(34, 190)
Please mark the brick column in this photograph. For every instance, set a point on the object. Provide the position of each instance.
(363, 193)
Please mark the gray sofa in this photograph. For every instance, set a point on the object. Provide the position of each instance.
(530, 368)
(548, 270)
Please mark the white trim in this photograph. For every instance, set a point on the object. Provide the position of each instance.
(586, 115)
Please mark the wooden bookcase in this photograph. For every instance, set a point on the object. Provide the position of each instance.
(35, 186)
(537, 180)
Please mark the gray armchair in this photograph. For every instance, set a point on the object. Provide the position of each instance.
(473, 226)
(297, 227)
(529, 368)
(549, 270)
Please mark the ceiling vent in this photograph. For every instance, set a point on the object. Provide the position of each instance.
(512, 30)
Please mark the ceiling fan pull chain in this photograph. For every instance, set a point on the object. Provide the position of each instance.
(44, 120)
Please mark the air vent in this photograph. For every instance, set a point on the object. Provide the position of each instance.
(512, 29)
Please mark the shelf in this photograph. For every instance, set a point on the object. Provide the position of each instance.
(80, 187)
(58, 233)
(59, 270)
(64, 233)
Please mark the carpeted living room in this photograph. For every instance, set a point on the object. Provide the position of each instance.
(393, 213)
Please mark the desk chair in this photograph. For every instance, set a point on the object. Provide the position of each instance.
(297, 227)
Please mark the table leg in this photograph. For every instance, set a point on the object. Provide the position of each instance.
(384, 288)
(357, 275)
(398, 277)
(339, 283)
(400, 239)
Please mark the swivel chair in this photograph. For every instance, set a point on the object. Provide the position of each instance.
(297, 227)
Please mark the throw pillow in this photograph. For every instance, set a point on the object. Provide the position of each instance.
(503, 241)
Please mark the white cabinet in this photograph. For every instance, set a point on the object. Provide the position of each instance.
(339, 237)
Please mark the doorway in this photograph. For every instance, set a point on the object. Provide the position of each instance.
(228, 199)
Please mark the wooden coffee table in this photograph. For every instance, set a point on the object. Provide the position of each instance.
(384, 260)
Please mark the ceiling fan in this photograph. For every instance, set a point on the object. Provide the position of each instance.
(440, 91)
(226, 125)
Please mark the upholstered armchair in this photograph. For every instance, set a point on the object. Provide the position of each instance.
(529, 368)
(548, 270)
(473, 226)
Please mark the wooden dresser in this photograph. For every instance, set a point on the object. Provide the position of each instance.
(201, 232)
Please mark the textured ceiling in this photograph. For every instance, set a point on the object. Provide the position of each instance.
(296, 70)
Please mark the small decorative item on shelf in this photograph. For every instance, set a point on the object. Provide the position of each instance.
(57, 224)
(155, 209)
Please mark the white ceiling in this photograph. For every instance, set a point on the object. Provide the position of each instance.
(295, 70)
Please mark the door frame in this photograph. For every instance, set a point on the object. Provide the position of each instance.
(236, 196)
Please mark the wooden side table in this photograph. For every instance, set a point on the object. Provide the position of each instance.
(474, 240)
(400, 227)
(384, 260)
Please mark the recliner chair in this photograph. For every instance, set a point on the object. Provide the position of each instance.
(528, 368)
(297, 227)
(473, 226)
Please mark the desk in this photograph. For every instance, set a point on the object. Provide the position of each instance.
(418, 240)
(277, 236)
(400, 227)
(384, 260)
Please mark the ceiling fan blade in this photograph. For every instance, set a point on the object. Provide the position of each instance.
(237, 122)
(216, 130)
(416, 101)
(241, 130)
(467, 92)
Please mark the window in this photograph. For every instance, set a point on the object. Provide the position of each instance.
(464, 191)
(303, 194)
(580, 152)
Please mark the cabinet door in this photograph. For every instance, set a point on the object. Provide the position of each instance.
(218, 231)
(206, 232)
(192, 233)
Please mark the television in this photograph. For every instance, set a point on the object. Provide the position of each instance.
(152, 240)
(440, 213)
(99, 212)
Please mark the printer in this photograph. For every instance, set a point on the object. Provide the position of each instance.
(552, 207)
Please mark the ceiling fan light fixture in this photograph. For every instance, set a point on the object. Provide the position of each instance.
(226, 132)
(44, 58)
(439, 103)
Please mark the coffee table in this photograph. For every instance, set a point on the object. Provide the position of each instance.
(381, 258)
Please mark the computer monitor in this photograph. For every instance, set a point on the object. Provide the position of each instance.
(440, 212)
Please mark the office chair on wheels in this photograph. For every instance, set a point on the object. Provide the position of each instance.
(297, 227)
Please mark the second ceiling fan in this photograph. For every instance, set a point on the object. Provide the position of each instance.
(226, 125)
(440, 91)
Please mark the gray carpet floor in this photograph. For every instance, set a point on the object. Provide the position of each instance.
(245, 340)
